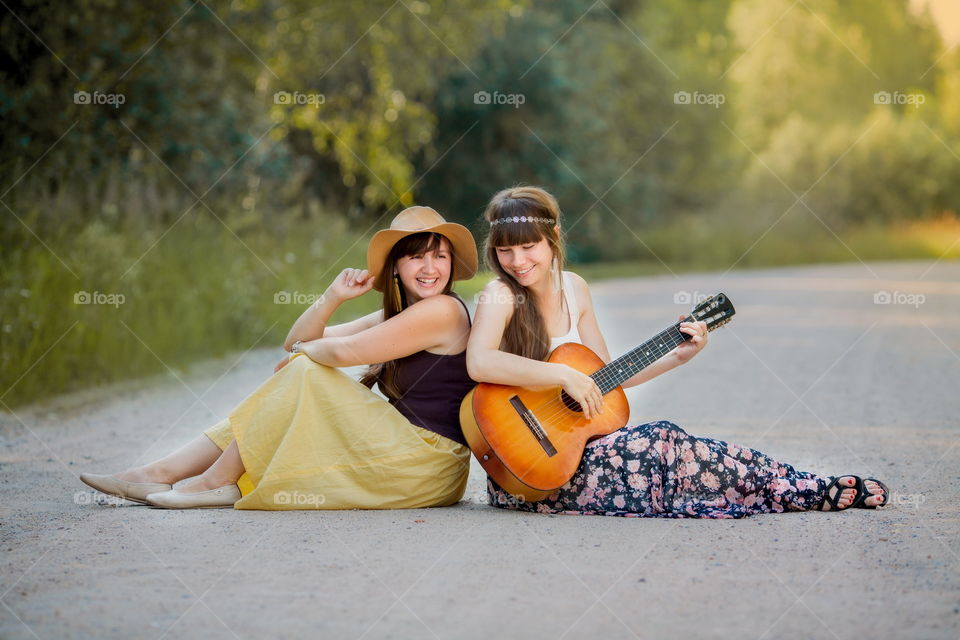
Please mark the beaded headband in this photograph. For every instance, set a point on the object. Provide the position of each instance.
(522, 219)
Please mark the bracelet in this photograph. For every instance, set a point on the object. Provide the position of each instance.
(295, 348)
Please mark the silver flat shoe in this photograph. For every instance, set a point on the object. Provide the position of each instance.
(133, 491)
(219, 498)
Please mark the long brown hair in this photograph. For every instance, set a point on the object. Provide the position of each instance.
(526, 333)
(384, 374)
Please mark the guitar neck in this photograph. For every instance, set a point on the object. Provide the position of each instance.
(638, 359)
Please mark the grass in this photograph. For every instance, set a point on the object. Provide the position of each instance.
(103, 305)
(159, 302)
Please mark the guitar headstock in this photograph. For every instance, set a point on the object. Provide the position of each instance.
(716, 311)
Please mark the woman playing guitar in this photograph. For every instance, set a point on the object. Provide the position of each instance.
(650, 470)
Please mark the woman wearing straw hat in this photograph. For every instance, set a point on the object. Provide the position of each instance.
(313, 438)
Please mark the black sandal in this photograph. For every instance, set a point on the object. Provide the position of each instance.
(834, 502)
(860, 501)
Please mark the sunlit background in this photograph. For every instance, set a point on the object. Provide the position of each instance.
(181, 177)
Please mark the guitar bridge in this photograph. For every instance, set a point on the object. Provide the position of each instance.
(533, 424)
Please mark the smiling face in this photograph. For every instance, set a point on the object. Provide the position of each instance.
(524, 242)
(427, 272)
(529, 263)
(523, 245)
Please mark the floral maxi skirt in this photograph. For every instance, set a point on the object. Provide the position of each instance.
(658, 470)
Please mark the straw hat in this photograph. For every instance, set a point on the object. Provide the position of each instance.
(422, 220)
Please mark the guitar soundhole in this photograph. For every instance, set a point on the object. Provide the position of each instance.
(570, 403)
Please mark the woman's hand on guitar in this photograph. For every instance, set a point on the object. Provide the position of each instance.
(351, 283)
(584, 390)
(698, 340)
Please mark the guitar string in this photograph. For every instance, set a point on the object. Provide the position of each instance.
(667, 335)
(664, 336)
(559, 406)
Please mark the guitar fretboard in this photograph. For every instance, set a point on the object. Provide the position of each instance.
(636, 360)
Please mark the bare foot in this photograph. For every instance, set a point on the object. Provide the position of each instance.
(847, 496)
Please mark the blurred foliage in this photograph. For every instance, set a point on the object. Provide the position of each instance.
(199, 82)
(259, 143)
(118, 306)
(387, 112)
(598, 127)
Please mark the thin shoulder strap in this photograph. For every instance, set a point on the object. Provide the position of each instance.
(465, 308)
(571, 297)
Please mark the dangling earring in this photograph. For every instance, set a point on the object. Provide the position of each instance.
(396, 291)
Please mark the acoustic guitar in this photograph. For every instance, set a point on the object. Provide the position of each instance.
(531, 441)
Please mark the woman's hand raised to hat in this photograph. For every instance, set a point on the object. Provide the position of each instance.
(351, 283)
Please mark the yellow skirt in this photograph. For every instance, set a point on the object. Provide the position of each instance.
(311, 437)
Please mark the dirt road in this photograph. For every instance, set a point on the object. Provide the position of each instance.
(835, 369)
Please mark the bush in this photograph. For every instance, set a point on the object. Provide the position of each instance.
(892, 169)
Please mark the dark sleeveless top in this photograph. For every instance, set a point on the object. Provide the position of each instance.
(433, 386)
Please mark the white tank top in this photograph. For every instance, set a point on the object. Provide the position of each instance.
(573, 335)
